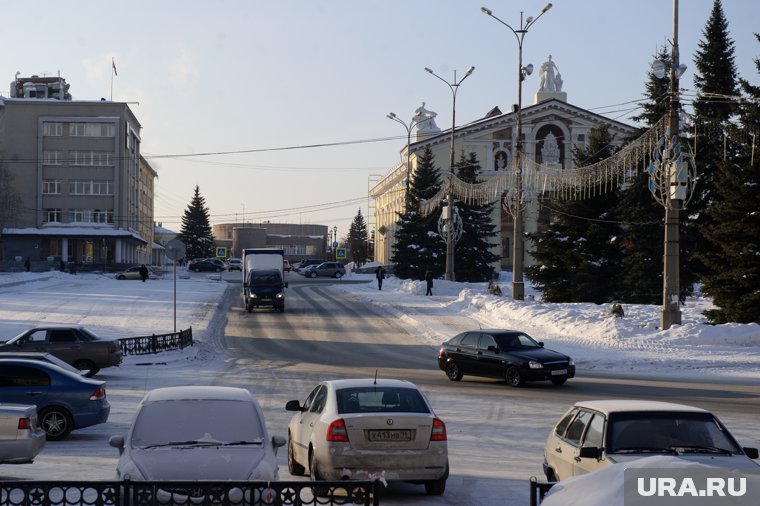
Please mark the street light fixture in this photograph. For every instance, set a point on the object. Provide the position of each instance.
(414, 122)
(449, 213)
(517, 201)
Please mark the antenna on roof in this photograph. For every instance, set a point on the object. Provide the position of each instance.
(375, 376)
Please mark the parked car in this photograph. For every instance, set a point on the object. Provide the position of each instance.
(198, 433)
(286, 265)
(508, 354)
(357, 428)
(74, 345)
(65, 401)
(592, 435)
(328, 269)
(134, 273)
(307, 263)
(21, 437)
(45, 357)
(206, 264)
(234, 264)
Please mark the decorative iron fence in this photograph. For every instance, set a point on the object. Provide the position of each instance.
(145, 345)
(538, 490)
(191, 493)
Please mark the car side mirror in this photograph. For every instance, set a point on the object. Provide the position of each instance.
(117, 442)
(493, 349)
(293, 406)
(541, 344)
(278, 441)
(751, 453)
(590, 452)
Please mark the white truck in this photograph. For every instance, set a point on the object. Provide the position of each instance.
(263, 278)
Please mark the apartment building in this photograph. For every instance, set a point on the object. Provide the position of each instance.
(82, 191)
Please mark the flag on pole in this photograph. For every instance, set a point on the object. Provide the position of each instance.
(113, 65)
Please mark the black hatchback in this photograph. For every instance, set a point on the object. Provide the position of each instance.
(509, 354)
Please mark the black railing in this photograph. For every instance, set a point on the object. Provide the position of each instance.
(145, 345)
(538, 490)
(191, 493)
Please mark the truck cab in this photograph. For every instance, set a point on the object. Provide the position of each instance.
(264, 288)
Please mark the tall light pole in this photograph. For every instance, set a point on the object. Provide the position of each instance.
(414, 122)
(518, 287)
(454, 87)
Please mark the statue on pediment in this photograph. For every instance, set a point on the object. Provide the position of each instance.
(550, 150)
(551, 80)
(425, 119)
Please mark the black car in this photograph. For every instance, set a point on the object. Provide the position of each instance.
(509, 354)
(206, 264)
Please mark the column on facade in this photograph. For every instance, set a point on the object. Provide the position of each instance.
(65, 249)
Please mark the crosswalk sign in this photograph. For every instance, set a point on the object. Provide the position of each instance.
(221, 252)
(340, 253)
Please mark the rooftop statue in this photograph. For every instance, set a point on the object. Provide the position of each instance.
(551, 80)
(425, 120)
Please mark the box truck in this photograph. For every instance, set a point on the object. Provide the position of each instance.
(263, 278)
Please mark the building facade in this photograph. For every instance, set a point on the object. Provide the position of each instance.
(85, 194)
(298, 241)
(551, 128)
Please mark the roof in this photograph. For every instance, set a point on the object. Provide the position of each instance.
(66, 231)
(198, 392)
(370, 382)
(625, 405)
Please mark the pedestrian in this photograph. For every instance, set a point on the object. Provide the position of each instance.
(380, 275)
(143, 273)
(27, 264)
(62, 266)
(429, 282)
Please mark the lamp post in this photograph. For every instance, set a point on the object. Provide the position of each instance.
(518, 287)
(449, 216)
(414, 122)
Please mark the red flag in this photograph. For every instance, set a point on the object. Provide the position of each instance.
(113, 65)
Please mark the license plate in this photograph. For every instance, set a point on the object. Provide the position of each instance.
(389, 435)
(559, 372)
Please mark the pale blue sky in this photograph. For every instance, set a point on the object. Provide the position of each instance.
(246, 75)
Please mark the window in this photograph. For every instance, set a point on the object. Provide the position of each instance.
(91, 187)
(575, 431)
(91, 129)
(102, 187)
(62, 336)
(310, 398)
(487, 340)
(52, 157)
(102, 216)
(52, 215)
(319, 401)
(52, 129)
(80, 215)
(594, 433)
(51, 187)
(471, 339)
(562, 425)
(22, 376)
(506, 249)
(92, 158)
(376, 399)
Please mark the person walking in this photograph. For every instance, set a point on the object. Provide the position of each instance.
(429, 282)
(143, 273)
(380, 275)
(27, 264)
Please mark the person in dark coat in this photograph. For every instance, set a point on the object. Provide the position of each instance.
(380, 275)
(27, 264)
(143, 273)
(62, 266)
(429, 282)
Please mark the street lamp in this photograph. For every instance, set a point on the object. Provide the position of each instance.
(449, 216)
(414, 122)
(517, 202)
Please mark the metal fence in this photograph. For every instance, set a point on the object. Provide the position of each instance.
(191, 493)
(538, 490)
(145, 345)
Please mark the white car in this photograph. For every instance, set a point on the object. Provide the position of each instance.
(596, 434)
(364, 429)
(198, 433)
(21, 437)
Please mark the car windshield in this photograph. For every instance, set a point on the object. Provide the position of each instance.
(196, 421)
(516, 341)
(681, 432)
(375, 399)
(266, 279)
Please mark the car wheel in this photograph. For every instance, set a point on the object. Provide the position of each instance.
(314, 475)
(313, 274)
(550, 476)
(435, 487)
(294, 467)
(338, 274)
(248, 308)
(559, 381)
(87, 365)
(121, 277)
(513, 377)
(453, 372)
(57, 423)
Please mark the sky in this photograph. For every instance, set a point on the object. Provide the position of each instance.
(260, 80)
(597, 341)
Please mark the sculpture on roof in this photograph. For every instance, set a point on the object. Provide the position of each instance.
(425, 120)
(551, 80)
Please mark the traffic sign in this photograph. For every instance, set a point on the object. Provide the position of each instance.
(340, 253)
(221, 252)
(175, 249)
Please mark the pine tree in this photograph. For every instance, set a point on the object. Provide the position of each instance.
(357, 239)
(418, 246)
(196, 229)
(733, 230)
(577, 255)
(473, 258)
(716, 76)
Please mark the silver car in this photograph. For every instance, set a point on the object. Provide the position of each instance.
(21, 437)
(198, 433)
(359, 429)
